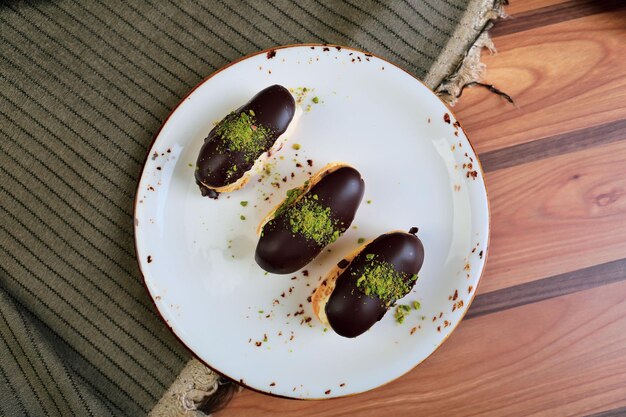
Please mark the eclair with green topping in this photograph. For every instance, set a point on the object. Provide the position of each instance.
(310, 218)
(242, 141)
(364, 285)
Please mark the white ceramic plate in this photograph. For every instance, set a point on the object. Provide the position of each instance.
(197, 254)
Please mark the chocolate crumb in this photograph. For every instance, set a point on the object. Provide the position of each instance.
(271, 54)
(456, 295)
(457, 124)
(305, 273)
(149, 258)
(325, 49)
(308, 299)
(413, 330)
(273, 384)
(258, 344)
(158, 168)
(446, 118)
(413, 230)
(309, 162)
(338, 48)
(343, 263)
(480, 254)
(342, 384)
(298, 165)
(155, 156)
(327, 392)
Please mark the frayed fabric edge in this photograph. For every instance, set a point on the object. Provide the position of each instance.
(196, 392)
(470, 69)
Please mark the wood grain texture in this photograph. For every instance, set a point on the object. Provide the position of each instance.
(516, 7)
(546, 288)
(550, 14)
(556, 215)
(556, 145)
(617, 412)
(567, 358)
(564, 77)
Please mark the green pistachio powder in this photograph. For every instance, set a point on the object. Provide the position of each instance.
(308, 217)
(312, 220)
(404, 310)
(292, 196)
(241, 133)
(382, 280)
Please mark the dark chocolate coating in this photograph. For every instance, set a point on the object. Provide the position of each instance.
(274, 108)
(280, 251)
(349, 311)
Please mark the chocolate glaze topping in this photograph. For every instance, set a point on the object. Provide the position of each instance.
(273, 109)
(350, 312)
(281, 251)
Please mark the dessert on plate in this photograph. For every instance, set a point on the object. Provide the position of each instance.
(310, 218)
(243, 140)
(363, 286)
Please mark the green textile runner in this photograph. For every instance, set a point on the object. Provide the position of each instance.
(84, 86)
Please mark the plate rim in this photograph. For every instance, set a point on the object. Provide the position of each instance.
(136, 200)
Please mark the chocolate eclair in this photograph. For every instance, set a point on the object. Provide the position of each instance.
(243, 140)
(310, 218)
(365, 285)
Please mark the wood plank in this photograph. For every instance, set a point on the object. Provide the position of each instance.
(556, 215)
(551, 14)
(520, 6)
(557, 91)
(546, 288)
(565, 356)
(556, 145)
(617, 412)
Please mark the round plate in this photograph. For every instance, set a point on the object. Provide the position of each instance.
(197, 254)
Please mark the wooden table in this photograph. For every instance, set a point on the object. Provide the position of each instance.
(546, 334)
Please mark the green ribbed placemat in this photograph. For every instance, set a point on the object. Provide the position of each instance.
(84, 86)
